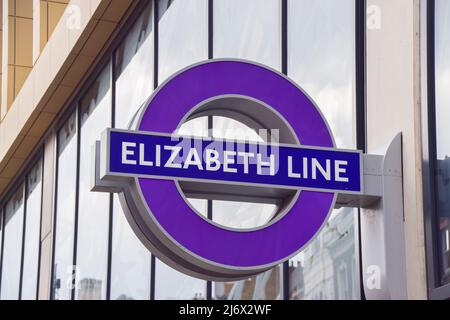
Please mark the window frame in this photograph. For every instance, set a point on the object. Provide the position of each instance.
(21, 181)
(26, 190)
(436, 291)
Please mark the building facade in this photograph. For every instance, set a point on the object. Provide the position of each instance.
(72, 68)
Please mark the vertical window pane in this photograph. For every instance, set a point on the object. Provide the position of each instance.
(93, 207)
(173, 285)
(32, 233)
(183, 35)
(134, 69)
(246, 30)
(442, 136)
(321, 60)
(242, 215)
(249, 30)
(65, 210)
(265, 286)
(130, 269)
(183, 40)
(12, 246)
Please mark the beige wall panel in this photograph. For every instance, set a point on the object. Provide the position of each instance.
(77, 71)
(4, 61)
(24, 42)
(57, 72)
(58, 98)
(26, 103)
(45, 268)
(24, 8)
(49, 186)
(11, 7)
(36, 29)
(28, 143)
(21, 74)
(55, 12)
(4, 182)
(98, 38)
(42, 123)
(392, 107)
(1, 47)
(115, 13)
(48, 194)
(10, 86)
(11, 39)
(42, 76)
(11, 168)
(43, 24)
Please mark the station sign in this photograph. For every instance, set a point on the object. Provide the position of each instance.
(148, 164)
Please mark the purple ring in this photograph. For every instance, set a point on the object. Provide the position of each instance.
(240, 249)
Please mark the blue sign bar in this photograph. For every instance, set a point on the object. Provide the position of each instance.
(159, 156)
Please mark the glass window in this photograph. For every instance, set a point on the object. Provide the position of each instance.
(265, 286)
(12, 246)
(321, 60)
(442, 69)
(183, 35)
(32, 233)
(131, 261)
(249, 30)
(93, 207)
(246, 30)
(134, 62)
(173, 285)
(183, 40)
(65, 210)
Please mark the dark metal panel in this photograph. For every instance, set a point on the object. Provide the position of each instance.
(429, 158)
(361, 120)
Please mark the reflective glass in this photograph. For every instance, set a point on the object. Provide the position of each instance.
(183, 40)
(242, 215)
(12, 246)
(130, 269)
(249, 29)
(93, 207)
(321, 60)
(134, 69)
(65, 210)
(265, 286)
(442, 137)
(183, 35)
(173, 285)
(32, 233)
